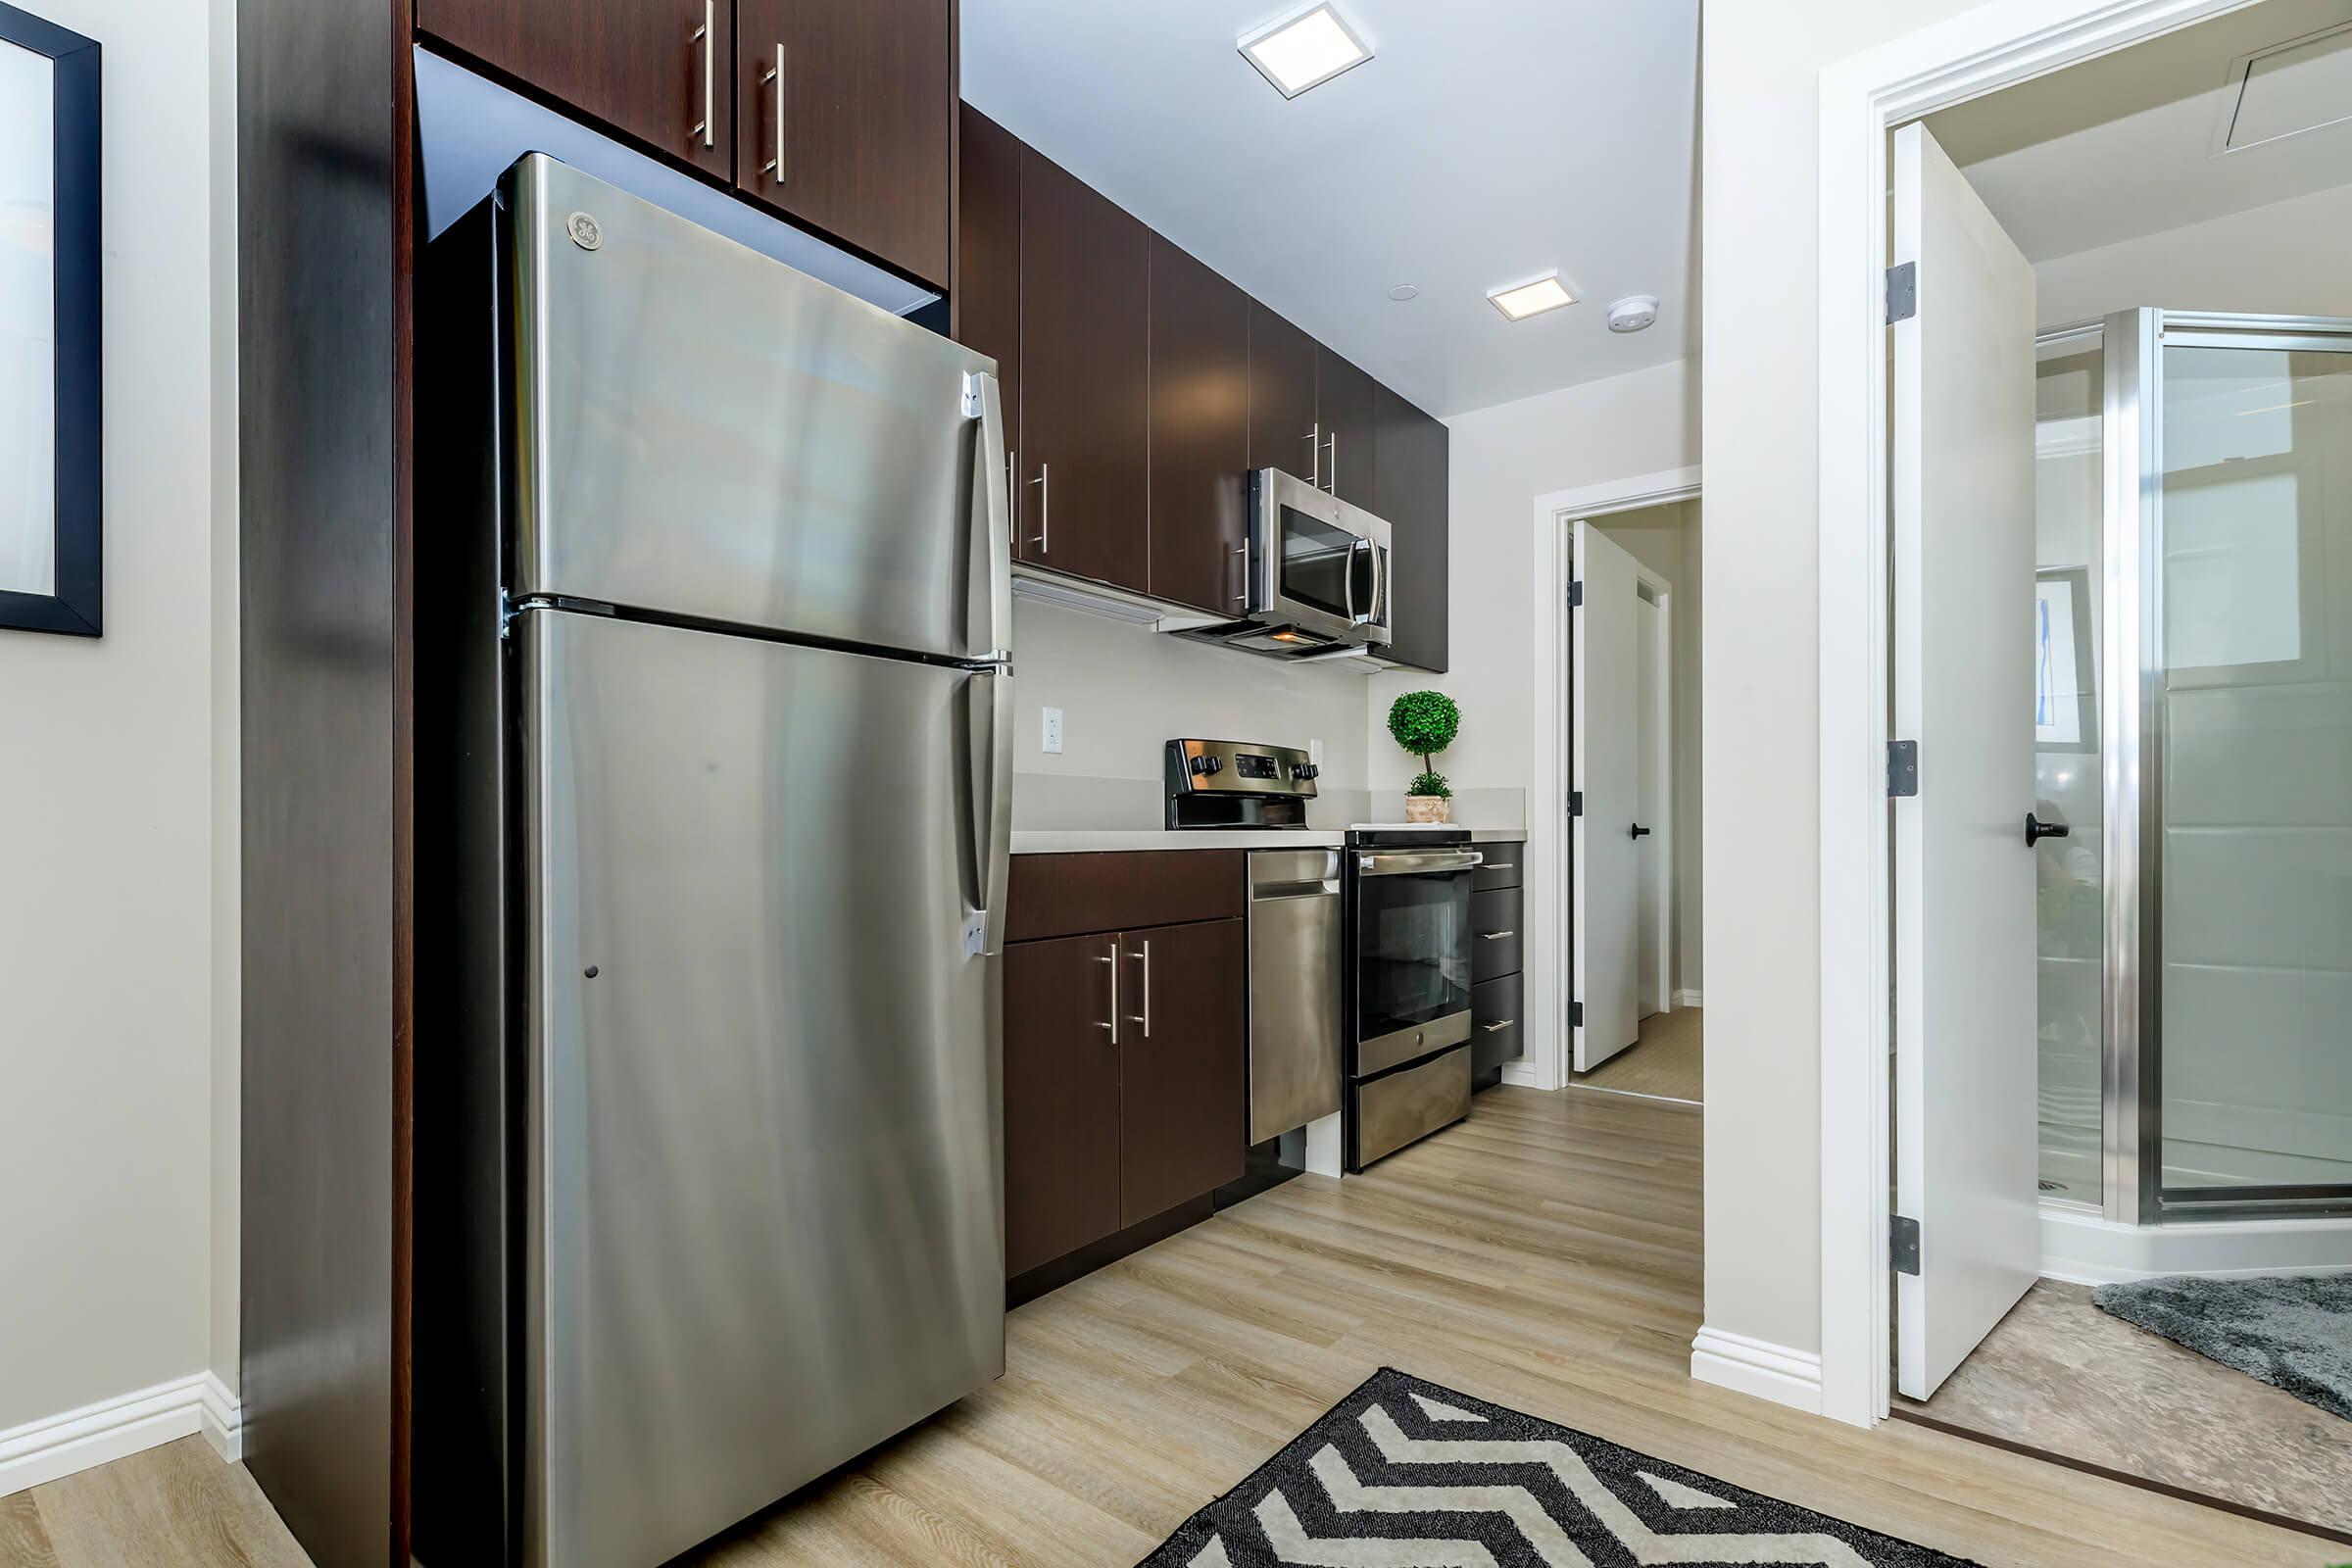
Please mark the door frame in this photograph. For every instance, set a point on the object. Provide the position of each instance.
(1547, 887)
(1664, 758)
(1862, 98)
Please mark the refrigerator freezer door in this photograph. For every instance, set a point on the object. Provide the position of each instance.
(764, 1226)
(705, 433)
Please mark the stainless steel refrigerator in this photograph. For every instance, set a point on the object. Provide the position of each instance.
(713, 781)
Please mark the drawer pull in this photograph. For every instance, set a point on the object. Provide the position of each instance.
(1503, 866)
(1499, 1023)
(1495, 936)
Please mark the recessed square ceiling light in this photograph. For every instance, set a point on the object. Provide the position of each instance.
(1305, 51)
(1523, 299)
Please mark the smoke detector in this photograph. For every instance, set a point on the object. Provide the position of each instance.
(1634, 313)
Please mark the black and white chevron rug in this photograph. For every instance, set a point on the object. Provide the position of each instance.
(1407, 1474)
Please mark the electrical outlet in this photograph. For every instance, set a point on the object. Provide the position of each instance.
(1052, 739)
(1314, 752)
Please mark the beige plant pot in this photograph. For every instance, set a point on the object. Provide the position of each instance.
(1428, 808)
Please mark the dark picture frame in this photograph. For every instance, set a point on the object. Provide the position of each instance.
(73, 605)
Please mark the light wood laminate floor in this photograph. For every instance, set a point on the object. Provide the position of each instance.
(1544, 1255)
(1667, 1061)
(2060, 1376)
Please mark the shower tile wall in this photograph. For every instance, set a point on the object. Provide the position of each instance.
(2069, 877)
(2256, 626)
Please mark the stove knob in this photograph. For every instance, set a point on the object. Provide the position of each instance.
(1306, 770)
(1207, 765)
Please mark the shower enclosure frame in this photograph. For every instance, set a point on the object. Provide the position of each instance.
(2132, 705)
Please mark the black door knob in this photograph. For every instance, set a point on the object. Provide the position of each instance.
(1639, 831)
(2037, 830)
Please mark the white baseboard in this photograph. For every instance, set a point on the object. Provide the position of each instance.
(1689, 999)
(224, 1420)
(2083, 1248)
(59, 1446)
(1768, 1371)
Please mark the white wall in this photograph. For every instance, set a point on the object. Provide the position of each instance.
(1760, 71)
(113, 795)
(1125, 690)
(1666, 539)
(2287, 259)
(1503, 458)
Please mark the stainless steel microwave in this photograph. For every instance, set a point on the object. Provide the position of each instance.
(1317, 584)
(1318, 565)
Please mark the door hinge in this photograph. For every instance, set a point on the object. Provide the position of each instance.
(1902, 768)
(1576, 1015)
(1575, 596)
(1576, 803)
(1902, 1240)
(1902, 292)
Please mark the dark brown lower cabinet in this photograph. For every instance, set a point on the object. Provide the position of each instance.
(1107, 1138)
(1062, 1099)
(1181, 1093)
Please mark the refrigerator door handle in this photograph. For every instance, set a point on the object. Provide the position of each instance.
(990, 806)
(992, 526)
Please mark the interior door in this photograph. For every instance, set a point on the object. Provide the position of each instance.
(1607, 772)
(1963, 964)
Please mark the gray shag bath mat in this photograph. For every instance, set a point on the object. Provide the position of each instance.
(2291, 1331)
(1404, 1472)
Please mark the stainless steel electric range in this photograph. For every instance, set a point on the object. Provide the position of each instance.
(1405, 1007)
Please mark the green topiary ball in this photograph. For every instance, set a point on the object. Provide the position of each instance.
(1424, 723)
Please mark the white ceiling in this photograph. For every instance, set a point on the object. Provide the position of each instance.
(2123, 146)
(1483, 145)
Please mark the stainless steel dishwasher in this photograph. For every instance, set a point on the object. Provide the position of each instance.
(1295, 984)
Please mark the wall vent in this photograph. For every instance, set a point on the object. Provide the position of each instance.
(2287, 90)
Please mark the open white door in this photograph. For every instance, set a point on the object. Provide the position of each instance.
(1964, 963)
(1607, 774)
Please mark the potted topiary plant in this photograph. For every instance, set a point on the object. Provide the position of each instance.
(1425, 724)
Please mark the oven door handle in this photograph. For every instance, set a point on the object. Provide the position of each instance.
(1418, 861)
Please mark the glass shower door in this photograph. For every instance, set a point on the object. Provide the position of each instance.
(2247, 804)
(2068, 872)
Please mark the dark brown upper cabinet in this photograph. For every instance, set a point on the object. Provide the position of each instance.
(662, 72)
(1345, 399)
(845, 120)
(1182, 1044)
(1086, 395)
(1200, 434)
(1410, 490)
(988, 267)
(1062, 1099)
(1284, 432)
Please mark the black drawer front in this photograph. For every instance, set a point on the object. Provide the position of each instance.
(1501, 868)
(1494, 934)
(1495, 1034)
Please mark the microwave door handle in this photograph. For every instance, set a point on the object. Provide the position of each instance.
(1378, 615)
(1347, 579)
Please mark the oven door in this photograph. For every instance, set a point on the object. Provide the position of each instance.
(1412, 955)
(1319, 567)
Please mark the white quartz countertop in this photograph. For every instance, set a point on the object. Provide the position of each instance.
(1099, 839)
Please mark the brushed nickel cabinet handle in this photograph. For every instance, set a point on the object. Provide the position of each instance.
(1495, 936)
(1144, 1017)
(708, 36)
(1315, 455)
(1044, 508)
(1242, 597)
(1499, 1023)
(1334, 486)
(1114, 1025)
(1503, 866)
(775, 74)
(1012, 496)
